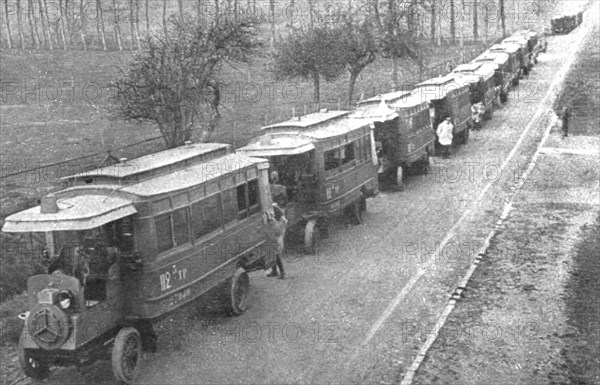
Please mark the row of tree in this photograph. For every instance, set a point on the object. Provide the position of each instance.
(119, 24)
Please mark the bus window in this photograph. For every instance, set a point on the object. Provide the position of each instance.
(348, 152)
(253, 196)
(230, 206)
(242, 201)
(206, 216)
(164, 232)
(332, 159)
(181, 227)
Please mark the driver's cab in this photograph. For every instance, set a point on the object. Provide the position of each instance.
(91, 256)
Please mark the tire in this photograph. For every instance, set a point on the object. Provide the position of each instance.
(465, 135)
(400, 178)
(311, 236)
(238, 292)
(424, 165)
(127, 355)
(32, 367)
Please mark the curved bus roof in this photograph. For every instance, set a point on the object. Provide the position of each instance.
(437, 88)
(481, 69)
(91, 205)
(510, 48)
(497, 58)
(278, 144)
(151, 165)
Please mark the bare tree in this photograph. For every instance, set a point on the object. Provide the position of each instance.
(117, 27)
(6, 15)
(33, 23)
(502, 17)
(147, 6)
(174, 82)
(19, 25)
(452, 22)
(164, 20)
(100, 24)
(272, 17)
(432, 20)
(475, 20)
(133, 15)
(49, 24)
(180, 5)
(82, 18)
(67, 14)
(41, 13)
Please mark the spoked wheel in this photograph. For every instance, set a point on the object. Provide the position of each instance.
(127, 355)
(239, 290)
(31, 366)
(311, 236)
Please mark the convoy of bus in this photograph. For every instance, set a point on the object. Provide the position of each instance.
(128, 243)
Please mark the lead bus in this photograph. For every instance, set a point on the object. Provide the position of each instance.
(322, 164)
(127, 244)
(403, 133)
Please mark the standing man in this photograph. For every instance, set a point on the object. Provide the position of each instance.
(275, 232)
(445, 135)
(565, 117)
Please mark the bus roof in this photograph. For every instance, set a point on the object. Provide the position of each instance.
(150, 165)
(504, 47)
(437, 88)
(497, 58)
(309, 120)
(375, 111)
(191, 176)
(80, 212)
(277, 144)
(319, 125)
(481, 68)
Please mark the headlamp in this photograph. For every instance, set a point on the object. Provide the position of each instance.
(64, 299)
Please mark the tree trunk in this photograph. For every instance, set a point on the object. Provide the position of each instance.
(132, 30)
(100, 23)
(19, 25)
(62, 24)
(272, 16)
(6, 15)
(486, 21)
(137, 23)
(50, 37)
(117, 27)
(452, 22)
(317, 92)
(462, 23)
(33, 24)
(147, 18)
(475, 21)
(502, 18)
(68, 23)
(164, 19)
(41, 12)
(395, 66)
(180, 4)
(311, 21)
(353, 77)
(82, 17)
(433, 21)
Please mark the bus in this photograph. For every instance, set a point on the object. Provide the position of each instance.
(128, 243)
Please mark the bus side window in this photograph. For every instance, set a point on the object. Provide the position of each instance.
(230, 206)
(348, 153)
(164, 232)
(206, 216)
(253, 196)
(242, 201)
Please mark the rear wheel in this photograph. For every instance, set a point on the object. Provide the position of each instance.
(127, 355)
(239, 291)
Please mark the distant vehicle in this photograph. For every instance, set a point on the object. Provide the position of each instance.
(322, 164)
(503, 76)
(525, 61)
(403, 130)
(533, 43)
(127, 244)
(447, 97)
(480, 76)
(565, 23)
(514, 61)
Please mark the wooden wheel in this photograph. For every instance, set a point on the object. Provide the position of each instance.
(239, 291)
(127, 355)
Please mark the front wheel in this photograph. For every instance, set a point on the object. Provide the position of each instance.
(239, 292)
(31, 366)
(127, 355)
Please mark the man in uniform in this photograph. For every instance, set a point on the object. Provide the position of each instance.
(445, 135)
(565, 117)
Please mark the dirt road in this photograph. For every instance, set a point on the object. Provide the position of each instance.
(355, 312)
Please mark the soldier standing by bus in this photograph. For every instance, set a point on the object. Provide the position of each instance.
(275, 231)
(445, 135)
